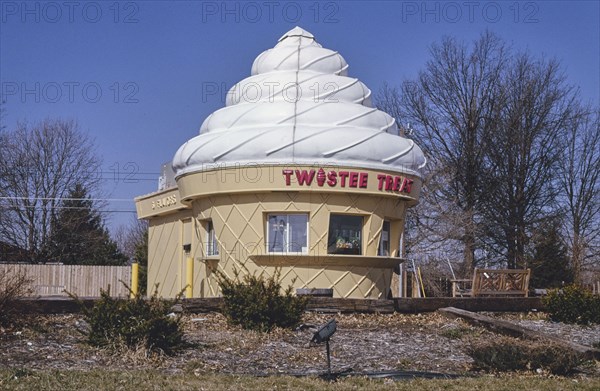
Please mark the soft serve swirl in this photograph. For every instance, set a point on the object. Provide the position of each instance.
(299, 107)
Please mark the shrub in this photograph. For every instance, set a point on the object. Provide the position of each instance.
(509, 354)
(573, 304)
(257, 303)
(455, 332)
(131, 323)
(12, 286)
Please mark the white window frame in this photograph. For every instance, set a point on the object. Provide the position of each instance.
(212, 246)
(381, 248)
(287, 233)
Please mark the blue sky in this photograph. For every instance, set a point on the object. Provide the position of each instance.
(141, 76)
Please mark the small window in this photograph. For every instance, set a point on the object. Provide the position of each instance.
(212, 247)
(287, 233)
(384, 241)
(345, 235)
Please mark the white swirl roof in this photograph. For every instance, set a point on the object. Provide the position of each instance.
(299, 107)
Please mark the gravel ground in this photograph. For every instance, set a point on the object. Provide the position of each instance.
(583, 335)
(362, 343)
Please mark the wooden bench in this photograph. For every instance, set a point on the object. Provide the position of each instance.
(494, 282)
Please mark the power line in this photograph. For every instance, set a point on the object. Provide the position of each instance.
(112, 173)
(58, 207)
(68, 199)
(68, 207)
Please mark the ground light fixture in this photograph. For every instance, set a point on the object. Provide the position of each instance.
(323, 335)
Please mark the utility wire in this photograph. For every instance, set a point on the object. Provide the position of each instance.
(69, 207)
(68, 199)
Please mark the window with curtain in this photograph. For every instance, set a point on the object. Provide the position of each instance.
(287, 233)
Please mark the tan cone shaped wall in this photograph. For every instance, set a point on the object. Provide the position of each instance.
(239, 222)
(239, 219)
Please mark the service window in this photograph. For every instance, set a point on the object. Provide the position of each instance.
(345, 234)
(287, 233)
(212, 247)
(384, 240)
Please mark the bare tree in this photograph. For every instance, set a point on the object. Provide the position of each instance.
(128, 236)
(39, 164)
(2, 114)
(132, 240)
(580, 184)
(536, 108)
(452, 104)
(389, 100)
(418, 238)
(492, 124)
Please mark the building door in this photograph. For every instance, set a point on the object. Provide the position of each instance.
(187, 249)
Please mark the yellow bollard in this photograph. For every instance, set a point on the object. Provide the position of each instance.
(134, 279)
(420, 277)
(189, 277)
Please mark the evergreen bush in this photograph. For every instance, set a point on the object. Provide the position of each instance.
(257, 303)
(550, 266)
(573, 304)
(131, 323)
(78, 235)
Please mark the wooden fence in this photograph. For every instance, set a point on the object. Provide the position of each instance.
(84, 281)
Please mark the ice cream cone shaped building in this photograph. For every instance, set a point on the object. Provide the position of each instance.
(298, 172)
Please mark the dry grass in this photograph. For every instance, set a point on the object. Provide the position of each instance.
(156, 380)
(512, 354)
(53, 355)
(12, 287)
